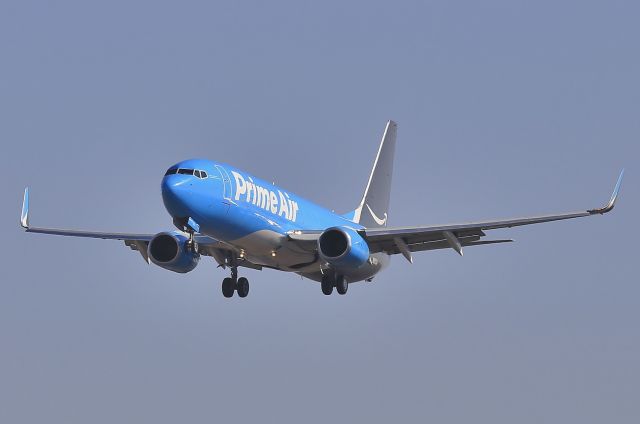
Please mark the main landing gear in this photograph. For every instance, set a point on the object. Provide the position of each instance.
(234, 284)
(331, 280)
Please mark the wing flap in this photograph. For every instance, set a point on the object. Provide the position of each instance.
(443, 244)
(381, 239)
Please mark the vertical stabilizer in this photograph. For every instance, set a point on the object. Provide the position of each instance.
(373, 210)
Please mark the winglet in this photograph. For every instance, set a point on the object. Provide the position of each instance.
(612, 202)
(24, 217)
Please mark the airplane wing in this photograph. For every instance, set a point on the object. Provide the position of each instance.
(456, 236)
(207, 246)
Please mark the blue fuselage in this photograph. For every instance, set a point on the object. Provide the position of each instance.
(246, 212)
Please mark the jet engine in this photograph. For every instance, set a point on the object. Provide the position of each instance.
(170, 251)
(343, 247)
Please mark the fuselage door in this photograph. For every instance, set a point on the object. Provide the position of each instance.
(226, 183)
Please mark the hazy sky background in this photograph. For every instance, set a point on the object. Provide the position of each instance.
(505, 108)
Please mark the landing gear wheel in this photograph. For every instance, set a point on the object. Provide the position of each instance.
(327, 284)
(228, 287)
(341, 285)
(243, 287)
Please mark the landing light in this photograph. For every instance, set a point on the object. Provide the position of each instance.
(273, 254)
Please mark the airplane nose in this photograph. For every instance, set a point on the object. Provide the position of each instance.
(175, 190)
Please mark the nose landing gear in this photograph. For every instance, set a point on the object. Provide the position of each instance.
(192, 246)
(191, 227)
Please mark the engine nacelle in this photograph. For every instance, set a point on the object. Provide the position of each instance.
(343, 247)
(169, 251)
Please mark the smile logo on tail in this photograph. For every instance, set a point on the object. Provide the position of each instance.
(375, 217)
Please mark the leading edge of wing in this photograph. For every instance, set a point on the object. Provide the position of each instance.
(495, 224)
(127, 237)
(90, 234)
(24, 223)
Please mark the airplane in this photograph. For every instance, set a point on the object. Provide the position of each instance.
(243, 221)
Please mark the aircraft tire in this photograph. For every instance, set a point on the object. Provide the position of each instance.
(341, 285)
(243, 287)
(228, 287)
(327, 284)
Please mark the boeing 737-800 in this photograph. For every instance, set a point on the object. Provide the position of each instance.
(243, 221)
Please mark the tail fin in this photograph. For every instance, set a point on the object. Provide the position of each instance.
(373, 210)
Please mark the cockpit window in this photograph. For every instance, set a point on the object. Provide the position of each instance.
(185, 171)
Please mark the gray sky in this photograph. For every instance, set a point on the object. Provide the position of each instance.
(505, 108)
